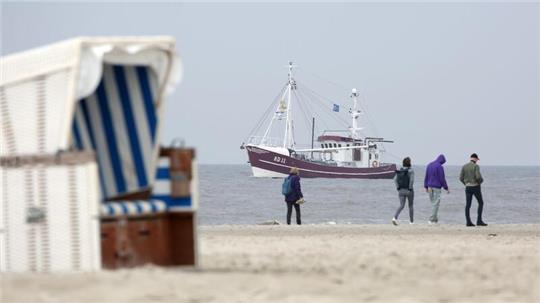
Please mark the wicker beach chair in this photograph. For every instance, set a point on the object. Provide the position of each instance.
(85, 182)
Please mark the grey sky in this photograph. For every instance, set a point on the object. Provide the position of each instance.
(436, 78)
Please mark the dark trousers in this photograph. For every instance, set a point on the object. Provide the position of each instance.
(475, 191)
(289, 212)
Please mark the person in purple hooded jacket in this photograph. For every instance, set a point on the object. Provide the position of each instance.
(433, 182)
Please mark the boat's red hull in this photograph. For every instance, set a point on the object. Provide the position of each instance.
(270, 164)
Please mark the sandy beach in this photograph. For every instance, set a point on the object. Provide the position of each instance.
(319, 263)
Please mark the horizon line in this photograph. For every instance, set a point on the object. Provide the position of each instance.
(508, 165)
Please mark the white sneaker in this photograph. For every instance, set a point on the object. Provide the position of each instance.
(411, 223)
(432, 223)
(395, 222)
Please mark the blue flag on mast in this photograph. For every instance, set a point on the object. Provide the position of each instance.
(336, 108)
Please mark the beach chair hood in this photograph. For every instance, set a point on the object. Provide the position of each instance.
(100, 94)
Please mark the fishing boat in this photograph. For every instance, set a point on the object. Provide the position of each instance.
(335, 154)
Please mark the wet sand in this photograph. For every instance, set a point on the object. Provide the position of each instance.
(319, 263)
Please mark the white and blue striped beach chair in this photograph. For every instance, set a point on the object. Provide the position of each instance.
(120, 121)
(87, 97)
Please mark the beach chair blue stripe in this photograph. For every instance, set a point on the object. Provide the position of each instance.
(119, 121)
(163, 173)
(77, 138)
(174, 203)
(144, 83)
(132, 208)
(130, 123)
(84, 136)
(110, 137)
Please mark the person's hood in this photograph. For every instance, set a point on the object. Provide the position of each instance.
(441, 159)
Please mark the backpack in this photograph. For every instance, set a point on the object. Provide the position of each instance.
(403, 178)
(286, 187)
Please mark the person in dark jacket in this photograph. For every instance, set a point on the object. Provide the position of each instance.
(294, 196)
(433, 182)
(470, 177)
(404, 180)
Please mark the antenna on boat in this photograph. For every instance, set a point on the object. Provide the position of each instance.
(355, 113)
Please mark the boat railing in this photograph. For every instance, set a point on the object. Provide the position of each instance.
(312, 156)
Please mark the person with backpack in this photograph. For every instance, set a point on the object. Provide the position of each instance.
(404, 180)
(433, 182)
(472, 179)
(293, 194)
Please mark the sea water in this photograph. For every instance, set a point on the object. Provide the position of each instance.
(229, 194)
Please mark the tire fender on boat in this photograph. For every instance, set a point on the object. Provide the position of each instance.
(375, 164)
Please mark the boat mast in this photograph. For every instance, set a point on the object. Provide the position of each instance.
(278, 114)
(312, 135)
(290, 84)
(355, 113)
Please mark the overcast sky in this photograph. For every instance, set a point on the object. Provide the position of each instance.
(436, 78)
